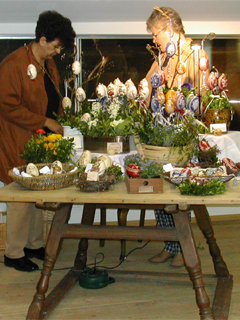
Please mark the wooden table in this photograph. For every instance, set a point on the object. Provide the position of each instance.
(62, 201)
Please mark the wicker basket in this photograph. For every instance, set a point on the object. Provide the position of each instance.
(164, 154)
(46, 182)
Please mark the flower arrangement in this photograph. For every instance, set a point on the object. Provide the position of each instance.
(48, 148)
(148, 169)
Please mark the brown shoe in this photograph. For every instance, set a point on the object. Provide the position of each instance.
(177, 261)
(161, 257)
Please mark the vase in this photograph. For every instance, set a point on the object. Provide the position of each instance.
(102, 144)
(214, 116)
(165, 154)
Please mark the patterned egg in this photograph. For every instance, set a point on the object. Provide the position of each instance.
(56, 167)
(181, 67)
(170, 48)
(117, 82)
(112, 90)
(203, 64)
(155, 105)
(31, 71)
(76, 67)
(193, 104)
(122, 90)
(80, 94)
(187, 86)
(181, 101)
(170, 106)
(85, 117)
(132, 92)
(143, 83)
(106, 159)
(212, 81)
(32, 170)
(160, 96)
(171, 95)
(129, 83)
(99, 167)
(155, 80)
(223, 82)
(66, 103)
(143, 93)
(101, 91)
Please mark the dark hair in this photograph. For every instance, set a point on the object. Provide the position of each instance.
(52, 25)
(165, 16)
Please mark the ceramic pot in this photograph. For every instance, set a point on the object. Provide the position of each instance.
(218, 116)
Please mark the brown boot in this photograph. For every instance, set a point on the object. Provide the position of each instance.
(161, 257)
(177, 261)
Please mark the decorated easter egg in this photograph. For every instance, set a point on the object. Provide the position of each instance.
(66, 102)
(80, 94)
(56, 167)
(181, 67)
(143, 83)
(106, 159)
(85, 117)
(117, 82)
(32, 170)
(155, 80)
(101, 91)
(143, 93)
(76, 67)
(212, 81)
(203, 64)
(171, 95)
(193, 104)
(170, 106)
(180, 101)
(131, 92)
(188, 86)
(160, 96)
(31, 71)
(129, 83)
(112, 90)
(223, 82)
(155, 105)
(170, 48)
(122, 90)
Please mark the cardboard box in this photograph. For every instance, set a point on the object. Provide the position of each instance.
(138, 185)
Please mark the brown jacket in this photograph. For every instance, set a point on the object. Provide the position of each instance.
(23, 105)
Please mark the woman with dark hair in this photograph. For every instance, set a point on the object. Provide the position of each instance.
(30, 96)
(177, 62)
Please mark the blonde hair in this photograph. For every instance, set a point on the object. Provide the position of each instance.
(166, 17)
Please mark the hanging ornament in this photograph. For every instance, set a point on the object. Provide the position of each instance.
(170, 106)
(222, 82)
(170, 49)
(160, 96)
(122, 90)
(31, 71)
(203, 64)
(193, 104)
(80, 94)
(76, 67)
(66, 103)
(188, 86)
(181, 67)
(112, 90)
(171, 95)
(101, 91)
(155, 80)
(132, 92)
(143, 93)
(181, 101)
(155, 105)
(212, 81)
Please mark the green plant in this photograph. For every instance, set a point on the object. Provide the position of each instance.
(219, 101)
(211, 188)
(48, 148)
(148, 168)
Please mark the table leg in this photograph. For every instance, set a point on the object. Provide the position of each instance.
(122, 221)
(54, 242)
(205, 225)
(87, 218)
(193, 265)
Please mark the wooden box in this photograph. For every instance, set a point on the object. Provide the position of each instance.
(138, 185)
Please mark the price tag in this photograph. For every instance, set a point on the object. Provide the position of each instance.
(222, 126)
(117, 146)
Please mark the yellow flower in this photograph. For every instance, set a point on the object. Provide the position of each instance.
(46, 145)
(54, 137)
(54, 152)
(51, 145)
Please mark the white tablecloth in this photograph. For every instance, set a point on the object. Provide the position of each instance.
(228, 144)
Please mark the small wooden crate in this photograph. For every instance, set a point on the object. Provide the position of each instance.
(138, 185)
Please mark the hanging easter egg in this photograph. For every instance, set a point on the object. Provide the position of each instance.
(143, 83)
(171, 95)
(143, 93)
(85, 117)
(117, 82)
(132, 92)
(129, 83)
(212, 81)
(66, 103)
(80, 94)
(193, 104)
(180, 101)
(203, 64)
(188, 86)
(155, 80)
(223, 82)
(170, 48)
(112, 90)
(31, 71)
(181, 67)
(160, 96)
(155, 105)
(170, 106)
(101, 91)
(76, 67)
(122, 90)
(215, 71)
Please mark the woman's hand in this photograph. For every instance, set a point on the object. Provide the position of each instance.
(53, 125)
